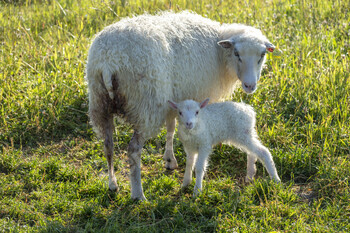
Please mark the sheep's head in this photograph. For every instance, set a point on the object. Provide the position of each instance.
(245, 57)
(188, 111)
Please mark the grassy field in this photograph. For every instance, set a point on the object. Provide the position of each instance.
(53, 174)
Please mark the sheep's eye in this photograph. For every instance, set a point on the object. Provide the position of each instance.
(262, 56)
(237, 55)
(180, 113)
(196, 113)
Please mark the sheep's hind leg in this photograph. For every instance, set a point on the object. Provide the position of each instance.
(263, 154)
(134, 154)
(169, 158)
(108, 149)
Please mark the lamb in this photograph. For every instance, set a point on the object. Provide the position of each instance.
(201, 127)
(135, 65)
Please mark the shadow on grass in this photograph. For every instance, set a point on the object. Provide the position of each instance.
(174, 214)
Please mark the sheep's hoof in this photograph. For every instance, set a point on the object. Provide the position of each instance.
(115, 189)
(170, 165)
(170, 168)
(196, 192)
(185, 187)
(139, 199)
(170, 161)
(248, 180)
(113, 186)
(186, 183)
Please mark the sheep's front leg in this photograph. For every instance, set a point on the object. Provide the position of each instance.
(108, 149)
(201, 165)
(169, 158)
(134, 154)
(190, 159)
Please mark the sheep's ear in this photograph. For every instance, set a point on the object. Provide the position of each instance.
(269, 47)
(226, 44)
(204, 103)
(173, 105)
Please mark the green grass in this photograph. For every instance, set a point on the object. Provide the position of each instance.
(53, 174)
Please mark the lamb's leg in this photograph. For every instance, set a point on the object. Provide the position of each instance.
(169, 158)
(251, 168)
(108, 149)
(190, 159)
(266, 158)
(201, 165)
(253, 146)
(134, 154)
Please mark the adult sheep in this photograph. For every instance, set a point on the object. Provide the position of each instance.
(137, 64)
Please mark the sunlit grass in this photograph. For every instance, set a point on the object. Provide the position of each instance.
(53, 174)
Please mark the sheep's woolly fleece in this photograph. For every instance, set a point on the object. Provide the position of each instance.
(158, 58)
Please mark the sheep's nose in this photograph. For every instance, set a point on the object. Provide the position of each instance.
(189, 125)
(250, 86)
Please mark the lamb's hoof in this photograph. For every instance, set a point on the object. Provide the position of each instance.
(277, 180)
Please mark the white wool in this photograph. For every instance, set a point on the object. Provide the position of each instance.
(167, 56)
(201, 127)
(137, 64)
(216, 123)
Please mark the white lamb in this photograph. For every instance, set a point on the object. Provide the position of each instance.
(137, 64)
(201, 127)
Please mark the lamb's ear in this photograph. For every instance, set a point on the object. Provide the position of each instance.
(269, 47)
(204, 103)
(226, 44)
(173, 105)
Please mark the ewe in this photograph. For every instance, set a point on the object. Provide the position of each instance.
(202, 127)
(137, 64)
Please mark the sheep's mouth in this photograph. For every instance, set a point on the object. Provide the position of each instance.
(249, 91)
(189, 130)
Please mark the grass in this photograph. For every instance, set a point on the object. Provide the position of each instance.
(53, 174)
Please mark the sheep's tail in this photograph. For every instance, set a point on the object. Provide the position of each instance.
(107, 79)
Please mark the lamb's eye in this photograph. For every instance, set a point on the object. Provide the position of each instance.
(196, 113)
(180, 113)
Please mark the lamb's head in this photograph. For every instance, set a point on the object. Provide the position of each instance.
(188, 112)
(245, 56)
